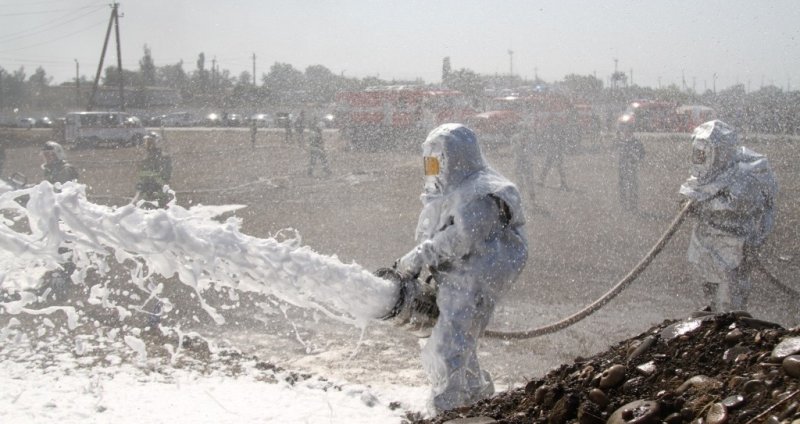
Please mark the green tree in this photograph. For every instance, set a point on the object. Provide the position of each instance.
(147, 68)
(467, 82)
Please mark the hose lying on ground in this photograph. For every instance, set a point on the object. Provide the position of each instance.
(597, 304)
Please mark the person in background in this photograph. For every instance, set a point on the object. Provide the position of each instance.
(316, 149)
(300, 126)
(155, 172)
(472, 243)
(732, 190)
(56, 168)
(253, 132)
(630, 151)
(550, 137)
(2, 156)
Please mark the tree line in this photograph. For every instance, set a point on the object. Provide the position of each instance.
(768, 109)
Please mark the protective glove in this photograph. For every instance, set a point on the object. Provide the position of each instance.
(416, 310)
(410, 265)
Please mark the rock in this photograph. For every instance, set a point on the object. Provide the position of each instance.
(471, 420)
(598, 397)
(612, 376)
(643, 346)
(791, 365)
(734, 336)
(698, 382)
(636, 412)
(717, 414)
(733, 401)
(788, 346)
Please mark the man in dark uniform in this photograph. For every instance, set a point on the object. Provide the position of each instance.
(155, 172)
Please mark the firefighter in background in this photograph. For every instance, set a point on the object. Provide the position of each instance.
(733, 190)
(630, 151)
(155, 172)
(57, 285)
(471, 235)
(300, 125)
(316, 149)
(56, 168)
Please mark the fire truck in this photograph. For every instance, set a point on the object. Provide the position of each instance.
(534, 111)
(397, 116)
(660, 116)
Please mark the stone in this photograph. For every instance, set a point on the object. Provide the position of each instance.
(699, 382)
(598, 397)
(734, 336)
(612, 376)
(791, 365)
(717, 414)
(787, 346)
(636, 412)
(733, 401)
(471, 420)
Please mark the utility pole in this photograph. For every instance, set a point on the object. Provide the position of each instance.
(614, 77)
(631, 77)
(715, 82)
(119, 59)
(214, 74)
(77, 83)
(254, 69)
(510, 63)
(113, 20)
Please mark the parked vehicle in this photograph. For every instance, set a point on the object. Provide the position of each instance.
(179, 119)
(690, 116)
(652, 116)
(262, 120)
(26, 123)
(283, 119)
(234, 120)
(212, 120)
(536, 110)
(44, 122)
(94, 128)
(385, 116)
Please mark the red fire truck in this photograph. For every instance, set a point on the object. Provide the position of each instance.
(660, 116)
(534, 110)
(392, 116)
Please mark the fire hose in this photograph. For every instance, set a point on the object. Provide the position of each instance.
(625, 282)
(605, 298)
(415, 318)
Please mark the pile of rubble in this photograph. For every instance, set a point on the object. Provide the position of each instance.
(706, 369)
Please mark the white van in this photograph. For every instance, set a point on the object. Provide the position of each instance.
(94, 128)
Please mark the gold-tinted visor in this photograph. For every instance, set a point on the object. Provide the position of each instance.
(431, 165)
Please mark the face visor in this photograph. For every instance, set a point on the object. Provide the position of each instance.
(703, 157)
(431, 164)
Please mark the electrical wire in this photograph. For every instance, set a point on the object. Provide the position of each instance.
(58, 38)
(62, 20)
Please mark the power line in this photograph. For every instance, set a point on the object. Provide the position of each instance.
(42, 12)
(32, 31)
(55, 39)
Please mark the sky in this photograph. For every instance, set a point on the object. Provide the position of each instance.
(667, 42)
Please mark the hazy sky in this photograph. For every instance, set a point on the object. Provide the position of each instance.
(750, 42)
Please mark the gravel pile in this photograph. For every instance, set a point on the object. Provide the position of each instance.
(705, 369)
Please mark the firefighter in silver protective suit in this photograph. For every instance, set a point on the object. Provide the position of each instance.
(733, 190)
(472, 243)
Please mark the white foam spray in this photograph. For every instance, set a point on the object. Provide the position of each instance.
(59, 223)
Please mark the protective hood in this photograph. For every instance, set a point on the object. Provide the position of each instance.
(714, 146)
(744, 162)
(458, 154)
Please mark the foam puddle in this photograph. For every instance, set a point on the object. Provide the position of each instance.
(63, 225)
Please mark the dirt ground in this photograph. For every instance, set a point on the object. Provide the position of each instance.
(581, 241)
